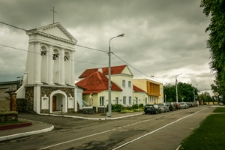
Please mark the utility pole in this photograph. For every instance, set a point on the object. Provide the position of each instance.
(176, 87)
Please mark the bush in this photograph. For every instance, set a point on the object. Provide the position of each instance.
(135, 106)
(141, 106)
(117, 108)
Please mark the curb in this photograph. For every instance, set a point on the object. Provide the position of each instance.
(106, 118)
(13, 136)
(12, 126)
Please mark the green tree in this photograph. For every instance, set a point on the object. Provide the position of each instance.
(185, 92)
(206, 97)
(216, 43)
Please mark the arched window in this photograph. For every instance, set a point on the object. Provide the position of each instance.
(44, 64)
(67, 67)
(56, 66)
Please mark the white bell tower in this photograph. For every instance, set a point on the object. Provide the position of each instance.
(50, 65)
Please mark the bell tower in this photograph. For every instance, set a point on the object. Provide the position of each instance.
(49, 66)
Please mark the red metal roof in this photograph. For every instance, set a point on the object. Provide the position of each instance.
(114, 70)
(95, 83)
(136, 89)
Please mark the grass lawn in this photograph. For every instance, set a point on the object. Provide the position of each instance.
(220, 110)
(209, 136)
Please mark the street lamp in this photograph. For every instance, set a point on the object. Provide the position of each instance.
(176, 87)
(109, 81)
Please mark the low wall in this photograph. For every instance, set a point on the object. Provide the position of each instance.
(5, 105)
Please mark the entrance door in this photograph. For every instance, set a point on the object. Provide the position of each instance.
(54, 103)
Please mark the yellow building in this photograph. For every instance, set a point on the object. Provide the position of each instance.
(153, 90)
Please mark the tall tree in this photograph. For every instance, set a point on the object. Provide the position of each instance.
(216, 43)
(186, 92)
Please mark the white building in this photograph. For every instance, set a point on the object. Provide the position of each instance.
(48, 83)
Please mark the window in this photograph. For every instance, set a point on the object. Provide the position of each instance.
(123, 83)
(136, 100)
(117, 100)
(146, 101)
(129, 100)
(124, 100)
(129, 84)
(101, 100)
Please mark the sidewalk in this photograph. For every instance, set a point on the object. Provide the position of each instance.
(96, 116)
(40, 127)
(35, 128)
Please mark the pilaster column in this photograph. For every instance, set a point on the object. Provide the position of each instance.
(61, 67)
(30, 64)
(50, 67)
(37, 63)
(72, 68)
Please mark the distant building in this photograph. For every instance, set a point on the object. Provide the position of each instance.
(6, 89)
(153, 89)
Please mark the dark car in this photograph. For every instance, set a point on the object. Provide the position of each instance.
(152, 109)
(171, 106)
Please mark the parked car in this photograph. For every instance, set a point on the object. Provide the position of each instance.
(194, 104)
(166, 107)
(162, 108)
(149, 108)
(189, 104)
(183, 105)
(171, 106)
(177, 105)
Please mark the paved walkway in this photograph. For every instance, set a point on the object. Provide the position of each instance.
(40, 127)
(35, 128)
(97, 116)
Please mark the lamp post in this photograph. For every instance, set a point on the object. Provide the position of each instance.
(109, 81)
(194, 92)
(176, 87)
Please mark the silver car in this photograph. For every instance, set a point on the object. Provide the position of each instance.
(183, 105)
(162, 107)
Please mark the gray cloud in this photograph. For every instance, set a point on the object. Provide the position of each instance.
(162, 37)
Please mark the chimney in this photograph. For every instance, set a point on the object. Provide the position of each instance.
(100, 70)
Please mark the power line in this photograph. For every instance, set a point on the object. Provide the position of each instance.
(129, 64)
(75, 45)
(46, 55)
(92, 48)
(13, 26)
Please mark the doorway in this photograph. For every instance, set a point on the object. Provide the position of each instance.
(54, 103)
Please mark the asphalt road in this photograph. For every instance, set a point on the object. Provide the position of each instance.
(162, 131)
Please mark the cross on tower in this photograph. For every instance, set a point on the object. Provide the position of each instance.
(53, 11)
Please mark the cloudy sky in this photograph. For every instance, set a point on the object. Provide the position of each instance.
(163, 38)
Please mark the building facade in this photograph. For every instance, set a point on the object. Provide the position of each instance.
(121, 90)
(48, 82)
(153, 89)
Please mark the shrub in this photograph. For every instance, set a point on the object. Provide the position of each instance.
(135, 106)
(141, 106)
(117, 108)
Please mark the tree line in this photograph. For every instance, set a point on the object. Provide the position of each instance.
(186, 92)
(215, 9)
